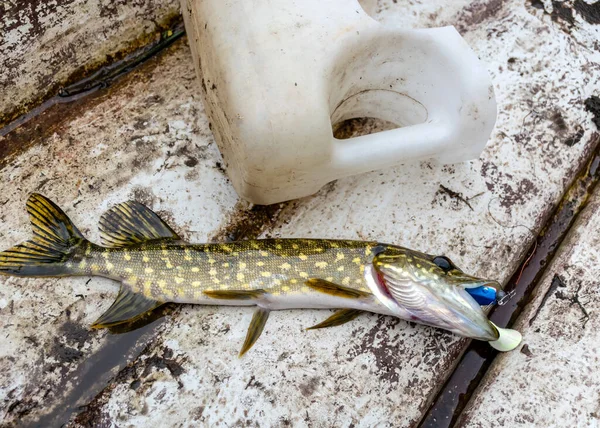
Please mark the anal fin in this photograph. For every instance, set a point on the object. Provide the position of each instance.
(259, 319)
(128, 306)
(340, 317)
(337, 290)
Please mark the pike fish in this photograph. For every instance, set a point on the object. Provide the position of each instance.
(155, 266)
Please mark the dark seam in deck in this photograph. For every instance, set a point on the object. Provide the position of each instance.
(452, 398)
(100, 79)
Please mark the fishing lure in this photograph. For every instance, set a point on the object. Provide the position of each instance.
(154, 266)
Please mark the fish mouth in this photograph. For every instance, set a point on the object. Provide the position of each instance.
(472, 282)
(452, 309)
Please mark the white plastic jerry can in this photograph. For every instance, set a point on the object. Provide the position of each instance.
(277, 74)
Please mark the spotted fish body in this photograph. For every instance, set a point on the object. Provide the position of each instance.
(155, 266)
(183, 273)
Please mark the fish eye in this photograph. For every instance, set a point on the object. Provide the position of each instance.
(444, 263)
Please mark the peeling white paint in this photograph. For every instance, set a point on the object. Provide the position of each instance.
(44, 43)
(373, 371)
(105, 167)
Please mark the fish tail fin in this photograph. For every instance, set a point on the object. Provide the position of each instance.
(55, 241)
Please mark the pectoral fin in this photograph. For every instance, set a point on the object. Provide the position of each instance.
(332, 289)
(234, 294)
(128, 306)
(259, 319)
(340, 317)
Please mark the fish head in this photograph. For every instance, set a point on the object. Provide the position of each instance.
(431, 290)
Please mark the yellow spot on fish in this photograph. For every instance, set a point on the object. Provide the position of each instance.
(109, 265)
(105, 254)
(319, 250)
(346, 280)
(162, 283)
(285, 266)
(294, 281)
(305, 289)
(341, 268)
(242, 265)
(321, 265)
(82, 264)
(240, 276)
(127, 257)
(195, 269)
(211, 261)
(295, 246)
(147, 283)
(254, 245)
(260, 264)
(339, 256)
(196, 283)
(128, 270)
(88, 250)
(266, 274)
(178, 280)
(285, 288)
(275, 293)
(132, 279)
(303, 274)
(368, 251)
(225, 264)
(278, 246)
(264, 253)
(216, 280)
(302, 257)
(329, 278)
(213, 271)
(145, 259)
(148, 270)
(418, 265)
(356, 260)
(387, 266)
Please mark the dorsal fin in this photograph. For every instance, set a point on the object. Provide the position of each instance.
(131, 223)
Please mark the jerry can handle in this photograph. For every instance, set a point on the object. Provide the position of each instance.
(388, 148)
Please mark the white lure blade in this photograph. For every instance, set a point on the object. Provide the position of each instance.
(509, 339)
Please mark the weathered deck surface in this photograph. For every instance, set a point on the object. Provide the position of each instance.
(147, 138)
(554, 380)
